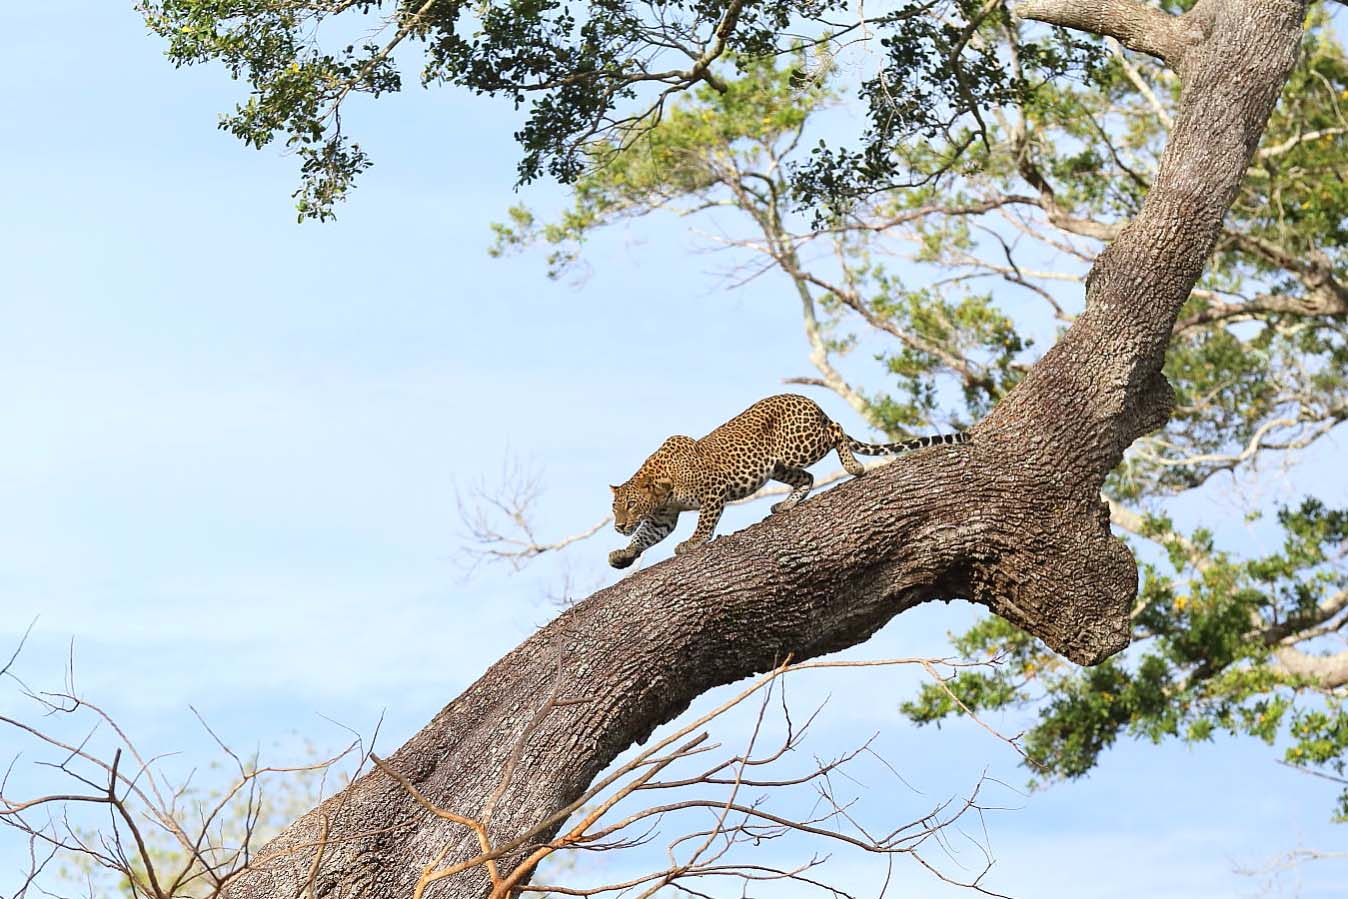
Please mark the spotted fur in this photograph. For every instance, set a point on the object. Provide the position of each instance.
(775, 438)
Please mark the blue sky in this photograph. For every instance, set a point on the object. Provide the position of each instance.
(234, 446)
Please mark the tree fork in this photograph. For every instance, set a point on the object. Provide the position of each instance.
(1012, 520)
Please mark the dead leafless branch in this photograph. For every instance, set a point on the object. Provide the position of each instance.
(630, 807)
(163, 836)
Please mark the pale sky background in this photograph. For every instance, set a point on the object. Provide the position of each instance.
(233, 445)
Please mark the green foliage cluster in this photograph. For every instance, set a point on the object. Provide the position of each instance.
(296, 87)
(938, 74)
(586, 71)
(754, 118)
(1207, 627)
(575, 71)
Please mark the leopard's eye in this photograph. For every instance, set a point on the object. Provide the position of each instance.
(631, 503)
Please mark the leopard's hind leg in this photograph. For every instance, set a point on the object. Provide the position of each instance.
(842, 443)
(800, 481)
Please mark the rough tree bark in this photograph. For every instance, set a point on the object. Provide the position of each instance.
(1013, 520)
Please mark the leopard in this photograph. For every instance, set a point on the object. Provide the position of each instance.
(776, 439)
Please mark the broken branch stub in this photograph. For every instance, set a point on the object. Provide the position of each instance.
(1012, 520)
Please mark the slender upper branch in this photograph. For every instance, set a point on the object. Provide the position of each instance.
(1328, 671)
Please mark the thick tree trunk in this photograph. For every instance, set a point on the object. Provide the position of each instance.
(1013, 520)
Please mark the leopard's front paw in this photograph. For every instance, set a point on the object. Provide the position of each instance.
(686, 547)
(621, 558)
(783, 506)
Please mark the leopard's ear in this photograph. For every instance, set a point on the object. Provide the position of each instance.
(614, 489)
(662, 487)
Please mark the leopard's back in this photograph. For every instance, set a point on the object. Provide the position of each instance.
(787, 430)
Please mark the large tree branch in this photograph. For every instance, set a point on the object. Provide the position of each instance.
(1137, 26)
(1013, 520)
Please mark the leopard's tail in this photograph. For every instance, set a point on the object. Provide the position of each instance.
(903, 446)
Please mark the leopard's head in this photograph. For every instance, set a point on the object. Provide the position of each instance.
(638, 499)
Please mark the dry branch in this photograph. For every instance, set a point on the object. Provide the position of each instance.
(668, 791)
(161, 838)
(620, 812)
